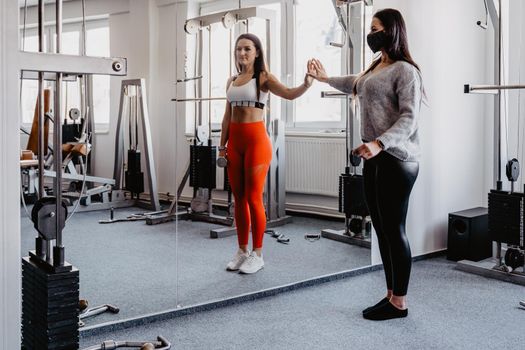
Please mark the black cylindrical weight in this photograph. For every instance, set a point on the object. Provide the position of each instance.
(134, 161)
(356, 225)
(514, 258)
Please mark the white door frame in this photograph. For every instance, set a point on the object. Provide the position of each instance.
(10, 265)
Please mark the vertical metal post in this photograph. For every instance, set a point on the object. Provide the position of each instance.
(497, 109)
(496, 19)
(119, 138)
(498, 81)
(148, 145)
(43, 248)
(198, 113)
(209, 91)
(41, 146)
(58, 253)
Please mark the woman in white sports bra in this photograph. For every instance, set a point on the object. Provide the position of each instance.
(249, 150)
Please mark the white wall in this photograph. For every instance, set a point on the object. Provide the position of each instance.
(450, 50)
(9, 179)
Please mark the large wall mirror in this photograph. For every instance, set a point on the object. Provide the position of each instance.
(146, 143)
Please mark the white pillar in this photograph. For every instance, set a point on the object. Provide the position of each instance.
(9, 178)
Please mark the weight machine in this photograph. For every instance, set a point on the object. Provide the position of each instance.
(358, 225)
(506, 220)
(201, 171)
(50, 285)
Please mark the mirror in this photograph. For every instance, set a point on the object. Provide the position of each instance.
(176, 255)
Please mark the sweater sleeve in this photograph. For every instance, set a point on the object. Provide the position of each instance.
(408, 91)
(344, 84)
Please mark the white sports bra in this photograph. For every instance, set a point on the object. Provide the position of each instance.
(246, 95)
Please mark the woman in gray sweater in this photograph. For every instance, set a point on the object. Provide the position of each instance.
(389, 94)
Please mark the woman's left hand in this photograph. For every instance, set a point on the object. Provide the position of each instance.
(368, 150)
(308, 79)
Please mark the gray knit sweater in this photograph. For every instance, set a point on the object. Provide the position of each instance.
(389, 101)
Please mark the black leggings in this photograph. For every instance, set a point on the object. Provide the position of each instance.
(388, 183)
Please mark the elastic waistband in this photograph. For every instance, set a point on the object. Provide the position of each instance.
(255, 104)
(247, 124)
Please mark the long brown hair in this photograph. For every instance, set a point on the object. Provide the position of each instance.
(396, 45)
(260, 63)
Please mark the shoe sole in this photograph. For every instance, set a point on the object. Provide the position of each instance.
(250, 273)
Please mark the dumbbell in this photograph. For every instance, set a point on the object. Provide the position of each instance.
(222, 162)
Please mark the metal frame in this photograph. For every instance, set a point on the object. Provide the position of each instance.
(60, 64)
(71, 64)
(140, 86)
(275, 190)
(486, 267)
(353, 47)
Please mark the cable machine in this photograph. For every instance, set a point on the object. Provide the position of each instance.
(358, 225)
(506, 220)
(201, 171)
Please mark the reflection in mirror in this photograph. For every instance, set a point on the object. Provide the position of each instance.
(314, 227)
(152, 226)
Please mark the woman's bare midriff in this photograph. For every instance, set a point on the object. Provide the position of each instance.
(247, 114)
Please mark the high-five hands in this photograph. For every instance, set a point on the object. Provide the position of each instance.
(368, 150)
(308, 79)
(317, 71)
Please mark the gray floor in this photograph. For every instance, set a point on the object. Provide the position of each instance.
(448, 309)
(134, 266)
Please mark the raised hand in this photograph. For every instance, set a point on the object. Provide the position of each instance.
(317, 70)
(308, 79)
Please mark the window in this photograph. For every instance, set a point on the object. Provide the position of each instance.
(316, 25)
(29, 88)
(305, 29)
(97, 44)
(222, 54)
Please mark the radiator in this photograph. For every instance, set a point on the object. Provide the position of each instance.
(313, 165)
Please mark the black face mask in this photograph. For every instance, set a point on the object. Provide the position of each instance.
(376, 40)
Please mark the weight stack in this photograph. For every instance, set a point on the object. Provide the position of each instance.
(352, 195)
(203, 166)
(50, 311)
(134, 176)
(506, 219)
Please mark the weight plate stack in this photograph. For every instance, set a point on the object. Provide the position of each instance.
(50, 311)
(203, 165)
(506, 217)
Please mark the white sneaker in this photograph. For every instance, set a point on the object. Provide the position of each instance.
(239, 258)
(252, 264)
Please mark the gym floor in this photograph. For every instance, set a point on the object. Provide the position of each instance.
(137, 267)
(448, 309)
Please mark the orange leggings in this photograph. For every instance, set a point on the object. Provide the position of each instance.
(249, 157)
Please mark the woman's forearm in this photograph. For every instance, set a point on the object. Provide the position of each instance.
(293, 93)
(224, 132)
(344, 84)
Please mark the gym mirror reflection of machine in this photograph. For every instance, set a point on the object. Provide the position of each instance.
(506, 207)
(358, 225)
(50, 285)
(202, 168)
